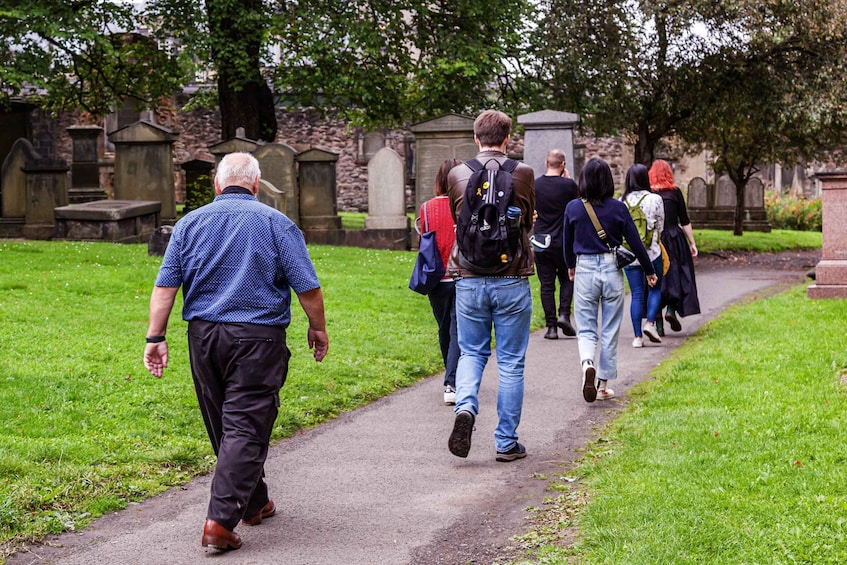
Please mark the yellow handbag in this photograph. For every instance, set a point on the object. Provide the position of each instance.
(666, 260)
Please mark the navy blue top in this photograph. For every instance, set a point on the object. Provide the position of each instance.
(237, 261)
(552, 194)
(581, 237)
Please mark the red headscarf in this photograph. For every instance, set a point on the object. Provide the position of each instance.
(661, 176)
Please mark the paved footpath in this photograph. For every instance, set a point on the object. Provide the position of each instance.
(378, 485)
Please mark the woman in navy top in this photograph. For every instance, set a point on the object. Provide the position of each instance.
(598, 282)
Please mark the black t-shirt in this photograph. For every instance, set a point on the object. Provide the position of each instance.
(552, 194)
(676, 214)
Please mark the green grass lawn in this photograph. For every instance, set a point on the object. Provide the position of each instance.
(84, 429)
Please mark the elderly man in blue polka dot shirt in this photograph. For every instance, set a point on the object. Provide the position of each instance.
(237, 261)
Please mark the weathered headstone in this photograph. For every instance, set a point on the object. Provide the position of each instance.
(386, 192)
(318, 198)
(46, 188)
(271, 196)
(725, 197)
(698, 196)
(13, 178)
(277, 162)
(546, 130)
(754, 194)
(237, 144)
(831, 270)
(447, 137)
(85, 168)
(144, 168)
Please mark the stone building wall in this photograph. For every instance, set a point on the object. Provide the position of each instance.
(301, 129)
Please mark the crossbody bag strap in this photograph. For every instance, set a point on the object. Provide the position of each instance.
(597, 226)
(426, 221)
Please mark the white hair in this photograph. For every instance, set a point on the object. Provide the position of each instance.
(238, 168)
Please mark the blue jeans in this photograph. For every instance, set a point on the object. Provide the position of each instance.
(637, 285)
(507, 304)
(599, 292)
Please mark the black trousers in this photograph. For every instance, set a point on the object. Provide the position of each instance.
(238, 370)
(443, 302)
(550, 266)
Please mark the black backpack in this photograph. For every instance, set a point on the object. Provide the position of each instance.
(486, 234)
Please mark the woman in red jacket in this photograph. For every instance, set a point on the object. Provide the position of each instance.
(435, 216)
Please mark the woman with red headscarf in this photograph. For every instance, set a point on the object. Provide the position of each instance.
(679, 287)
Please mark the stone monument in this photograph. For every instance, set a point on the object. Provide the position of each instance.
(85, 167)
(447, 137)
(831, 270)
(386, 192)
(46, 188)
(144, 166)
(546, 130)
(318, 198)
(279, 168)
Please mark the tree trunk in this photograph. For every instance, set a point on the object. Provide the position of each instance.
(738, 223)
(644, 146)
(237, 28)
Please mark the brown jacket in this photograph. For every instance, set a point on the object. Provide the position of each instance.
(524, 180)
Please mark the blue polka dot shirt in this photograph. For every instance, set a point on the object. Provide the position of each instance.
(237, 261)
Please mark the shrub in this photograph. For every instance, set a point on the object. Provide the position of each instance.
(792, 213)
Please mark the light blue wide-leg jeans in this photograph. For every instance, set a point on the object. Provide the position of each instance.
(599, 293)
(506, 305)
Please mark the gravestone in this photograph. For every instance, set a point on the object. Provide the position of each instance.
(199, 183)
(116, 221)
(46, 188)
(318, 198)
(446, 137)
(546, 130)
(698, 194)
(270, 195)
(144, 166)
(13, 178)
(237, 144)
(831, 270)
(85, 167)
(369, 144)
(159, 239)
(725, 194)
(279, 168)
(386, 192)
(713, 207)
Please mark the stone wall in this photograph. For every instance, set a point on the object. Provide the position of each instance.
(198, 129)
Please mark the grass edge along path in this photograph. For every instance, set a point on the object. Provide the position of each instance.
(733, 451)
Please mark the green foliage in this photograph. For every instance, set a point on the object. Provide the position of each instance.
(72, 55)
(792, 213)
(707, 467)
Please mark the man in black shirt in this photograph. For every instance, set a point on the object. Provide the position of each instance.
(553, 191)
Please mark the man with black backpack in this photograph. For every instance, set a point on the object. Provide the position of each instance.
(492, 199)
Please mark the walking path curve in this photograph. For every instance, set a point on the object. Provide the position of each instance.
(378, 485)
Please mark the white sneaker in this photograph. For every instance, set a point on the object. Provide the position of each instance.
(638, 342)
(449, 395)
(651, 332)
(604, 393)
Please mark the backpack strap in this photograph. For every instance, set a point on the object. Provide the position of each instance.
(601, 233)
(474, 165)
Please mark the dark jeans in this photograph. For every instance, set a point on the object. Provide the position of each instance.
(550, 265)
(238, 370)
(443, 302)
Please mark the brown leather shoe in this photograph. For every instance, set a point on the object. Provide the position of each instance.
(267, 511)
(218, 537)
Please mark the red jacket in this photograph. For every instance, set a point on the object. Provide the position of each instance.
(440, 220)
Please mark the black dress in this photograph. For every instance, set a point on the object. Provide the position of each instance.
(679, 287)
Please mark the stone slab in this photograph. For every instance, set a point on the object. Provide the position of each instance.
(108, 210)
(831, 272)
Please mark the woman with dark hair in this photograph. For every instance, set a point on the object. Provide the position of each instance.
(637, 194)
(598, 282)
(435, 216)
(679, 290)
